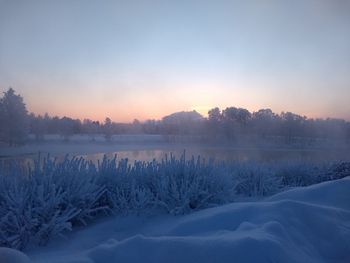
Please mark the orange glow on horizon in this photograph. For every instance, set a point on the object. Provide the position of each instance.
(144, 104)
(125, 116)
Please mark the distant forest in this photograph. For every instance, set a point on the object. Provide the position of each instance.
(229, 125)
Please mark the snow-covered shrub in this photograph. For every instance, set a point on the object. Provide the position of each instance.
(78, 180)
(180, 185)
(43, 200)
(256, 180)
(17, 216)
(299, 173)
(337, 171)
(124, 193)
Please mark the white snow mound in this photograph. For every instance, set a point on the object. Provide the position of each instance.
(8, 255)
(310, 224)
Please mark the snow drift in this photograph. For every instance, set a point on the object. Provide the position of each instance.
(306, 224)
(8, 255)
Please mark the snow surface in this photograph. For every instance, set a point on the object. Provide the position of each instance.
(309, 224)
(8, 255)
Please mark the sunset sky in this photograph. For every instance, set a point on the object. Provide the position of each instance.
(146, 59)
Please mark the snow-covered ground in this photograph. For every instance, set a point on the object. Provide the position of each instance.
(309, 224)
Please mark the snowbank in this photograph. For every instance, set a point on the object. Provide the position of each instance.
(8, 255)
(310, 224)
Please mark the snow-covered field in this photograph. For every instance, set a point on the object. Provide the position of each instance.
(305, 224)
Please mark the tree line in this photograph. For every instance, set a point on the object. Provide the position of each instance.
(228, 125)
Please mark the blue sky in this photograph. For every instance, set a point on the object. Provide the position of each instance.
(146, 59)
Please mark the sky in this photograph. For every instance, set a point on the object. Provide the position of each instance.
(146, 59)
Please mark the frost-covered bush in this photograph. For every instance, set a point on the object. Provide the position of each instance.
(43, 200)
(125, 191)
(180, 185)
(176, 185)
(298, 173)
(256, 180)
(337, 171)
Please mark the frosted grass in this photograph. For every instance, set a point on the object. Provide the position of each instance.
(44, 200)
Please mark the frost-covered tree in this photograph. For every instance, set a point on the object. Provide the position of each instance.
(37, 126)
(292, 125)
(214, 123)
(67, 127)
(91, 128)
(108, 129)
(264, 122)
(14, 118)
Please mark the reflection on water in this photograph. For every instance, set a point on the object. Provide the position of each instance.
(225, 155)
(134, 155)
(221, 154)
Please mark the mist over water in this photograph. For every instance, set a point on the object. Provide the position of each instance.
(227, 155)
(217, 154)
